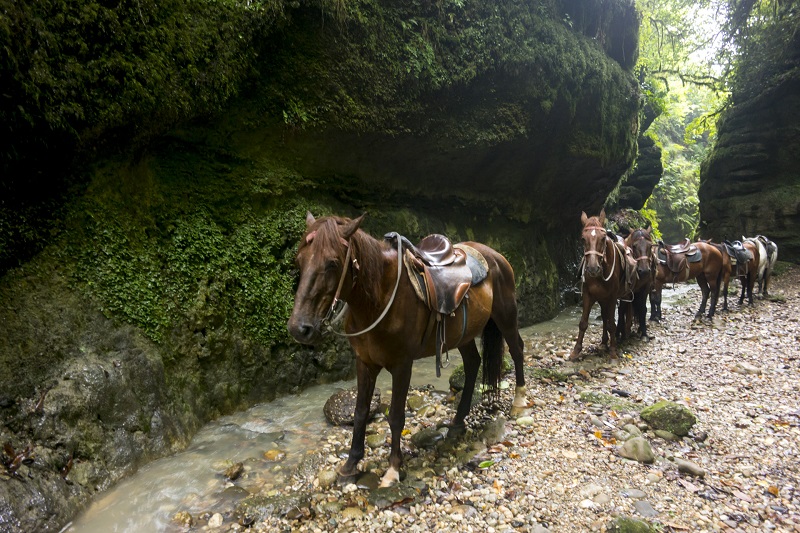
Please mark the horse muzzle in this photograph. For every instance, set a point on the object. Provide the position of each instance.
(304, 332)
(593, 271)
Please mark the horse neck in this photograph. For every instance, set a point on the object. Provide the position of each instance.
(375, 278)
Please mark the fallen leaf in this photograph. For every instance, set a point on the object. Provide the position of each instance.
(688, 485)
(742, 496)
(772, 489)
(485, 464)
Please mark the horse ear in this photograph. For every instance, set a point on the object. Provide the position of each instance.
(347, 230)
(584, 218)
(649, 229)
(309, 219)
(603, 217)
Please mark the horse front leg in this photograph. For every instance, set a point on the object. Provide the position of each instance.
(655, 305)
(365, 377)
(701, 281)
(610, 328)
(582, 325)
(401, 379)
(640, 308)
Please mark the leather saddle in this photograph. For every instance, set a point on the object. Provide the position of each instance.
(444, 272)
(740, 256)
(676, 257)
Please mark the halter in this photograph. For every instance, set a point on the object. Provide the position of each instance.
(601, 254)
(336, 311)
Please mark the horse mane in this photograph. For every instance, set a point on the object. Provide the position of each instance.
(366, 249)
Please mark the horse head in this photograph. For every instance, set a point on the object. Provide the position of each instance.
(594, 243)
(323, 259)
(640, 241)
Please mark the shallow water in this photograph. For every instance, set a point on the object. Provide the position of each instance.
(192, 481)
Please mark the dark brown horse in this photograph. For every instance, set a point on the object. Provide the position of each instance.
(389, 326)
(640, 242)
(602, 275)
(707, 271)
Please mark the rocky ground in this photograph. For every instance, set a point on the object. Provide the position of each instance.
(560, 467)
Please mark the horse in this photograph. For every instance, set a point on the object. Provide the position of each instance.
(747, 276)
(603, 273)
(640, 242)
(707, 270)
(764, 276)
(391, 327)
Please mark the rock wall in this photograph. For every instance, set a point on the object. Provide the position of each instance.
(750, 182)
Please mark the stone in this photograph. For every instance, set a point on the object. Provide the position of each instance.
(426, 438)
(326, 478)
(669, 416)
(624, 524)
(645, 509)
(688, 467)
(666, 435)
(340, 408)
(637, 449)
(234, 471)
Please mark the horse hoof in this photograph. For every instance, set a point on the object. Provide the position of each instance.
(455, 431)
(573, 356)
(518, 410)
(347, 474)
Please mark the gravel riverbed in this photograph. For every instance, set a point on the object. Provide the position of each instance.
(559, 467)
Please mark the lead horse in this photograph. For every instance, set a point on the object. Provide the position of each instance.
(389, 326)
(603, 280)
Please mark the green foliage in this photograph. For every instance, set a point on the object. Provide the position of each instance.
(213, 251)
(84, 69)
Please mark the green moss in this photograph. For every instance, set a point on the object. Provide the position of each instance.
(608, 400)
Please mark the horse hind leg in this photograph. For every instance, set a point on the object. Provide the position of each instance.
(472, 360)
(609, 327)
(516, 348)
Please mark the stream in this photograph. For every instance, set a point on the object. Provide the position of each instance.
(191, 480)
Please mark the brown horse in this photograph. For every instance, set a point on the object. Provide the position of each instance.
(603, 277)
(389, 326)
(640, 242)
(707, 271)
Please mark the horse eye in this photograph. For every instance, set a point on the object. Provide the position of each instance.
(331, 264)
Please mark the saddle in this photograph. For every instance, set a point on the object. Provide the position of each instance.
(769, 246)
(740, 256)
(629, 271)
(676, 257)
(441, 274)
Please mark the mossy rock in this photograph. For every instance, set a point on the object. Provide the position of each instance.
(624, 524)
(608, 400)
(669, 416)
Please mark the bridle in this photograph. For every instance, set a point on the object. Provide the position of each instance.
(651, 258)
(601, 254)
(339, 307)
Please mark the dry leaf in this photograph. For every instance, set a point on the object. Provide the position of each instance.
(772, 489)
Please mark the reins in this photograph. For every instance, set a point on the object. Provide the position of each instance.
(330, 319)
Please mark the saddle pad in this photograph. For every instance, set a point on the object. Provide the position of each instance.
(476, 262)
(696, 257)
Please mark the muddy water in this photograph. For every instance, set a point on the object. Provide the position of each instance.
(192, 480)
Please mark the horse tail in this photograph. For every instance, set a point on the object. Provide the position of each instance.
(492, 355)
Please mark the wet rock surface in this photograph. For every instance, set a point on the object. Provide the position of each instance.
(561, 466)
